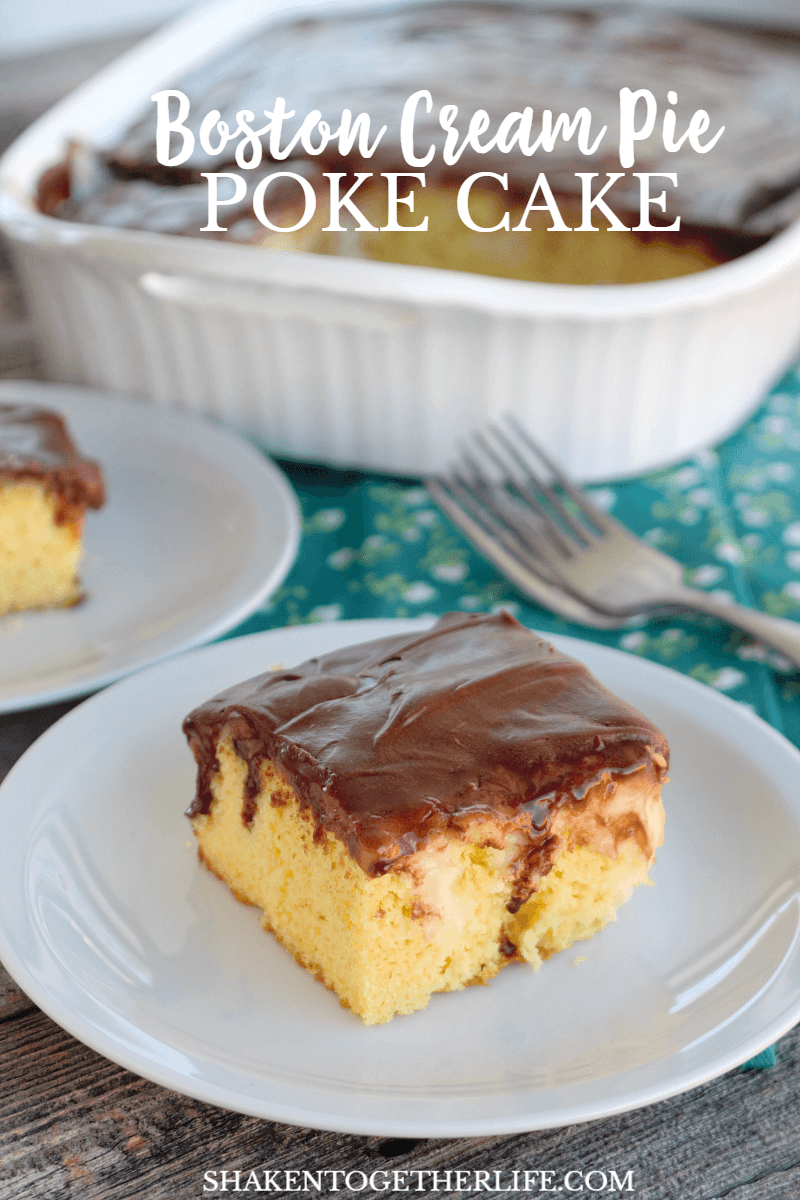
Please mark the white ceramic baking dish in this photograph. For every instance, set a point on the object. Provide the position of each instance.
(380, 365)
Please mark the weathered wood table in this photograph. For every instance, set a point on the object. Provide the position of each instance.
(75, 1125)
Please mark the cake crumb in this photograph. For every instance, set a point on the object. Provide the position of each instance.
(581, 958)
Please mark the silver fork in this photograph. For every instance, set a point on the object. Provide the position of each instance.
(519, 509)
(512, 558)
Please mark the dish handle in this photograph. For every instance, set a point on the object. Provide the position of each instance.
(198, 292)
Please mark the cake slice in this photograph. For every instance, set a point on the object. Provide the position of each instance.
(415, 813)
(45, 490)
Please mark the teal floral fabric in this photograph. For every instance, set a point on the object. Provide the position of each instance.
(378, 547)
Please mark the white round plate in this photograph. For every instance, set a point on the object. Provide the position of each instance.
(197, 530)
(112, 927)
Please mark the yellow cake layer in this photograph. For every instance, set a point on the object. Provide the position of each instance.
(537, 254)
(440, 923)
(38, 558)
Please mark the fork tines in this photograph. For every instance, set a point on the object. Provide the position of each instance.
(513, 487)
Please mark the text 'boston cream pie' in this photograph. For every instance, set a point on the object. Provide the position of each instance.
(413, 814)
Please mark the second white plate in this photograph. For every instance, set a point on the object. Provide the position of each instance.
(112, 927)
(197, 530)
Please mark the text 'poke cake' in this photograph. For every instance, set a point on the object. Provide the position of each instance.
(413, 814)
(46, 487)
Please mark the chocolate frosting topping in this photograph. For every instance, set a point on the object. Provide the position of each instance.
(390, 741)
(500, 57)
(35, 445)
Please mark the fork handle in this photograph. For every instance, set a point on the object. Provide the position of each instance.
(779, 634)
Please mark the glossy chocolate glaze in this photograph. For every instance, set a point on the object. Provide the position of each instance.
(502, 57)
(35, 445)
(392, 742)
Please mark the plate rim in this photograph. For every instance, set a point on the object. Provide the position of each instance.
(269, 1107)
(55, 395)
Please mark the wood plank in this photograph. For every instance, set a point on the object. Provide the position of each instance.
(20, 730)
(13, 1000)
(71, 1119)
(30, 84)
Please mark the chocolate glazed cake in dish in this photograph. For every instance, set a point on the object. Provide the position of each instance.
(503, 58)
(46, 486)
(415, 813)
